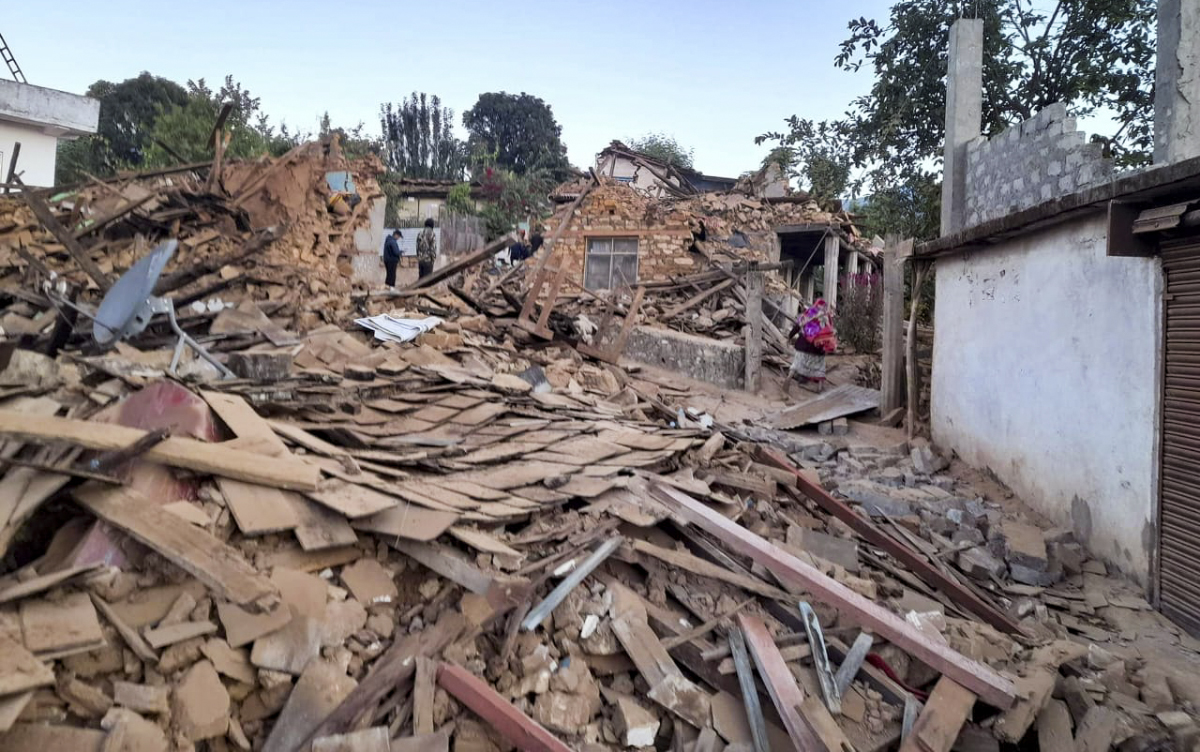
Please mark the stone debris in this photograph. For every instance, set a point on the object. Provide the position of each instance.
(365, 524)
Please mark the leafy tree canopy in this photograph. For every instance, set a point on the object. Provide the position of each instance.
(182, 131)
(662, 147)
(418, 139)
(1094, 55)
(518, 132)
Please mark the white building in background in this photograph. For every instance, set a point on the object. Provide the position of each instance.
(36, 118)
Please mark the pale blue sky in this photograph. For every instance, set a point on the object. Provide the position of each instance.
(713, 74)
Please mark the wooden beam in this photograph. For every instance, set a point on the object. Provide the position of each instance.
(931, 575)
(781, 684)
(524, 732)
(753, 330)
(833, 246)
(449, 270)
(942, 718)
(221, 568)
(190, 454)
(46, 216)
(695, 300)
(892, 378)
(990, 686)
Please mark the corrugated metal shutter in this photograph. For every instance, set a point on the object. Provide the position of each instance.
(1179, 503)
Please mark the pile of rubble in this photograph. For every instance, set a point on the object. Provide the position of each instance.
(477, 541)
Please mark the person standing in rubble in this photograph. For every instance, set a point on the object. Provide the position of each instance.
(815, 338)
(391, 257)
(426, 250)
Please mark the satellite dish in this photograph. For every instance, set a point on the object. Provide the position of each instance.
(126, 308)
(130, 304)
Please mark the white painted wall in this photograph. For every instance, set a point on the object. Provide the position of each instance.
(36, 161)
(1045, 370)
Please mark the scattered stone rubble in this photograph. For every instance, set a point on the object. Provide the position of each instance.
(339, 553)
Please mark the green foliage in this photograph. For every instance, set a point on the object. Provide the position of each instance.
(418, 139)
(181, 132)
(459, 200)
(518, 132)
(859, 315)
(510, 198)
(1094, 55)
(816, 152)
(355, 142)
(662, 147)
(127, 113)
(911, 209)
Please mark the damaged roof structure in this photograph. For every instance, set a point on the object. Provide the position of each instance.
(455, 517)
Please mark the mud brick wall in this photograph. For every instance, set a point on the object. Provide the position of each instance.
(616, 210)
(1030, 163)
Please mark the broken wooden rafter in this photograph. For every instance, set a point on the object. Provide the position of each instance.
(931, 575)
(190, 454)
(46, 216)
(781, 685)
(524, 732)
(986, 683)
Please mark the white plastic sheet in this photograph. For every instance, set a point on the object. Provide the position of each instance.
(393, 329)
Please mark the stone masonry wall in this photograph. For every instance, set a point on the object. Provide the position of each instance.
(615, 210)
(1030, 163)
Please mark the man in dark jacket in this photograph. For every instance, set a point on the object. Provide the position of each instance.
(391, 257)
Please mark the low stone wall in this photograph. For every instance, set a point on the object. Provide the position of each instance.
(714, 361)
(1030, 163)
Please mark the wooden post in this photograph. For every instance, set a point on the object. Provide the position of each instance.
(833, 246)
(910, 360)
(809, 287)
(852, 263)
(754, 329)
(892, 379)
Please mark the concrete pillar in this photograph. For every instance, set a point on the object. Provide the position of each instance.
(964, 116)
(754, 330)
(809, 287)
(852, 263)
(892, 378)
(1177, 82)
(832, 250)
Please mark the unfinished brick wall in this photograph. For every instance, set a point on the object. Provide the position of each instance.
(615, 210)
(1030, 163)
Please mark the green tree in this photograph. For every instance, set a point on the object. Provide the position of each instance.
(355, 141)
(911, 209)
(418, 139)
(816, 152)
(459, 201)
(517, 132)
(127, 113)
(664, 148)
(183, 131)
(510, 198)
(1090, 54)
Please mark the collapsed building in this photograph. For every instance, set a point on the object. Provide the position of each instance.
(453, 517)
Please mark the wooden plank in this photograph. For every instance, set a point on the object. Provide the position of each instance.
(20, 670)
(424, 686)
(668, 686)
(318, 692)
(190, 454)
(840, 401)
(695, 300)
(258, 509)
(408, 521)
(781, 685)
(931, 575)
(987, 684)
(298, 435)
(350, 499)
(524, 732)
(128, 633)
(696, 565)
(397, 665)
(245, 423)
(941, 719)
(46, 216)
(24, 737)
(49, 627)
(39, 584)
(169, 635)
(318, 527)
(219, 567)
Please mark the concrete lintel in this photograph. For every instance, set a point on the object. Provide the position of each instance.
(58, 113)
(712, 360)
